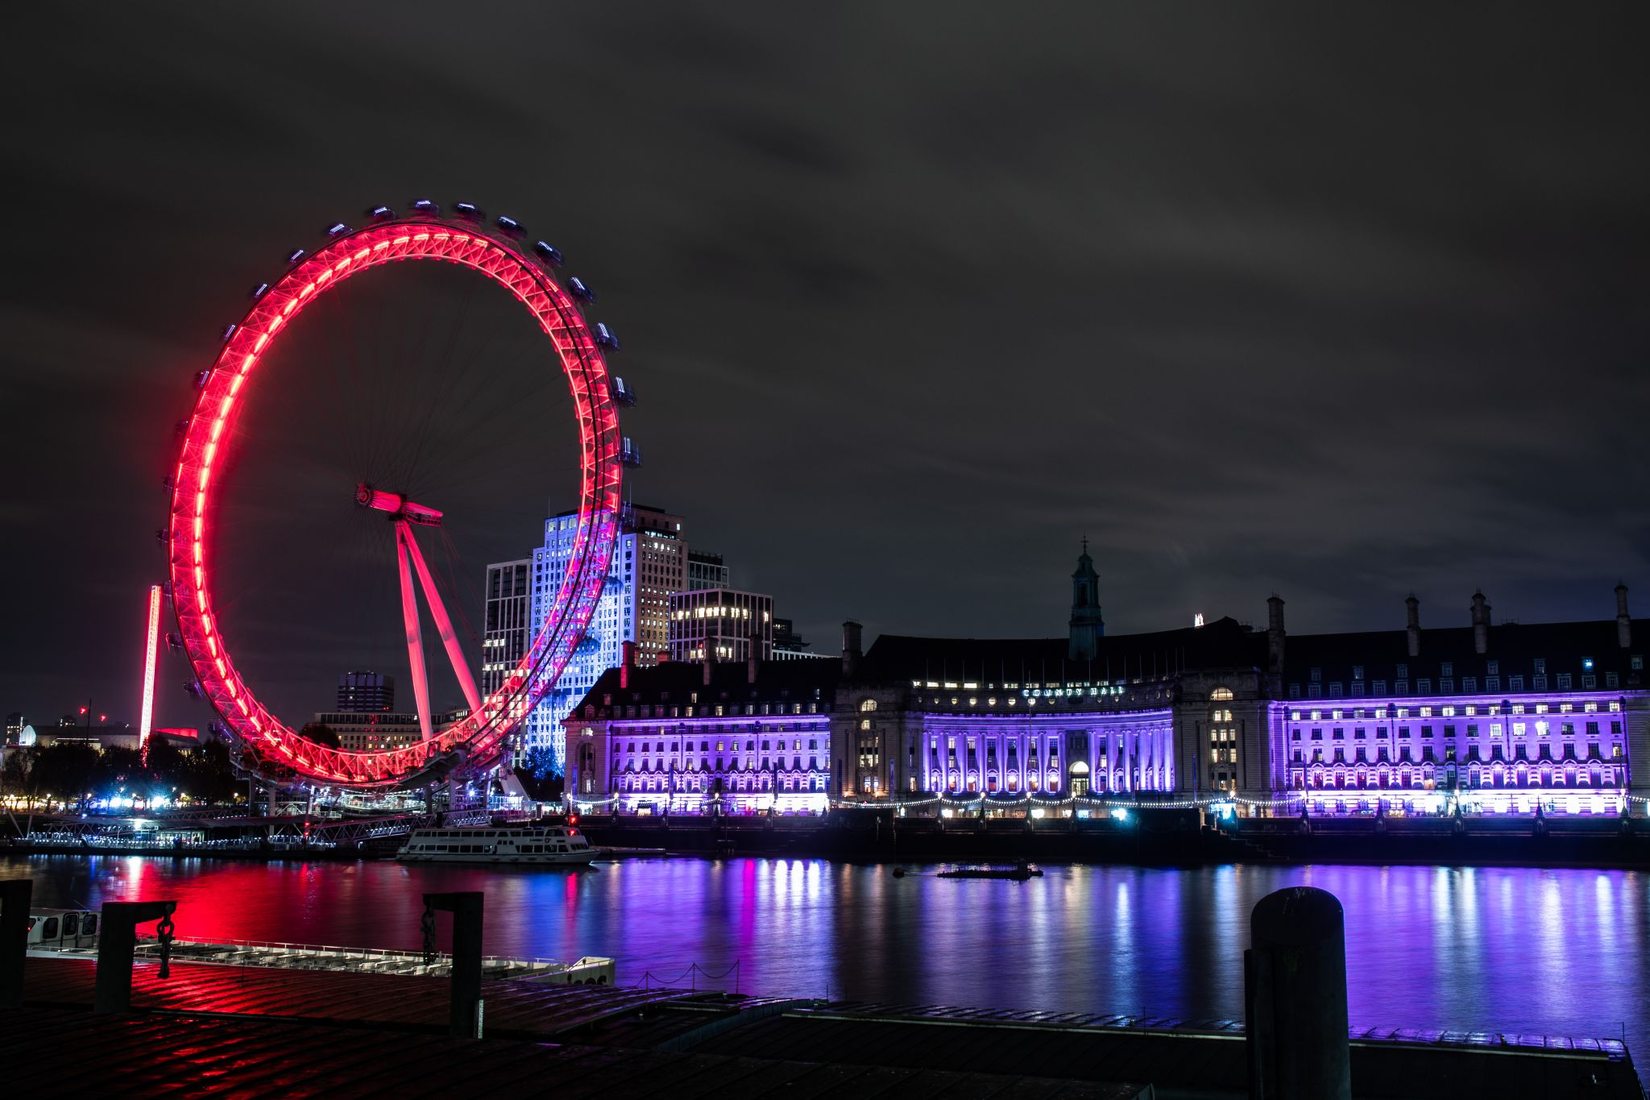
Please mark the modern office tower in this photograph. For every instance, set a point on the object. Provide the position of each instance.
(507, 629)
(720, 624)
(706, 570)
(365, 693)
(649, 563)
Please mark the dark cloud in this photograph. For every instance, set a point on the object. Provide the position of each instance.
(1335, 303)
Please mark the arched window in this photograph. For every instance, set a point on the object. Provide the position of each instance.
(867, 705)
(1221, 695)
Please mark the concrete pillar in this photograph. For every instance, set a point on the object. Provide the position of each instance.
(1295, 998)
(116, 943)
(464, 1016)
(15, 895)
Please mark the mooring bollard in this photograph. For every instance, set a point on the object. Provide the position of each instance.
(15, 895)
(116, 943)
(1295, 998)
(464, 1018)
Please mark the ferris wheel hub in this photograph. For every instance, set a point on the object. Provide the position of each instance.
(397, 505)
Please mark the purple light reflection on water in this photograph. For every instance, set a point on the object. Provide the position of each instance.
(1509, 949)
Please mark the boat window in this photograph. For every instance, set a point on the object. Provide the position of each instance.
(89, 925)
(50, 931)
(71, 924)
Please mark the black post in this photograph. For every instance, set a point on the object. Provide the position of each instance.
(464, 1018)
(1295, 998)
(15, 895)
(116, 943)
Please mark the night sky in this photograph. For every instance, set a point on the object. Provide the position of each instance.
(1334, 305)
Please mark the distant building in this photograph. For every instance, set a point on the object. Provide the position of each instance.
(366, 693)
(360, 731)
(14, 727)
(106, 736)
(720, 624)
(508, 629)
(705, 571)
(788, 645)
(649, 563)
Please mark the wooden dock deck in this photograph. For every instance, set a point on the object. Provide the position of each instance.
(215, 1030)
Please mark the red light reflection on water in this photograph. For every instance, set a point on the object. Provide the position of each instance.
(1515, 949)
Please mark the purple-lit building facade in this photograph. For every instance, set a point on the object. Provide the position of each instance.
(1485, 718)
(734, 737)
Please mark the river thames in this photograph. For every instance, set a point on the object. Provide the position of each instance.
(1559, 952)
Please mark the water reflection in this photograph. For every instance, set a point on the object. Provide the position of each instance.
(1517, 949)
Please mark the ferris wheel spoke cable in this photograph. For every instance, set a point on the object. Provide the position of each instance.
(440, 392)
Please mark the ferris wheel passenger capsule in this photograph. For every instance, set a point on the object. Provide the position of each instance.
(577, 288)
(425, 206)
(295, 255)
(377, 212)
(509, 225)
(622, 393)
(605, 337)
(258, 291)
(548, 252)
(228, 331)
(337, 229)
(468, 210)
(630, 454)
(202, 377)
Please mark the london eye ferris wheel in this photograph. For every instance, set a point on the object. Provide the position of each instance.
(205, 593)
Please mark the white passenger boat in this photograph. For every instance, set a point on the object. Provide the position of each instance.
(523, 844)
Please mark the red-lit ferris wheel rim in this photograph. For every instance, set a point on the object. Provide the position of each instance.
(392, 239)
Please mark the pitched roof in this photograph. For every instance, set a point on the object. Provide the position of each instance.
(678, 682)
(1224, 643)
(1513, 646)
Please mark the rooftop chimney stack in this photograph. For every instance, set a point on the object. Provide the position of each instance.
(710, 660)
(1274, 634)
(754, 658)
(1624, 621)
(629, 662)
(850, 648)
(1480, 624)
(1412, 627)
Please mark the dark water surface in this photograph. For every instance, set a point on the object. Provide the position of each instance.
(1506, 949)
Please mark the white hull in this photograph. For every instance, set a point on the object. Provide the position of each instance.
(575, 859)
(527, 846)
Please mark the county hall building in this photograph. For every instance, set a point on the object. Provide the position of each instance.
(1483, 718)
